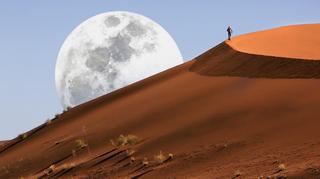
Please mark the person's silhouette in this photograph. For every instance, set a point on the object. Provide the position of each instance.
(229, 30)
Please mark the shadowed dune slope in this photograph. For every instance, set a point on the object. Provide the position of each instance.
(224, 114)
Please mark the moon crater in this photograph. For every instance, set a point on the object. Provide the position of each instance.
(112, 21)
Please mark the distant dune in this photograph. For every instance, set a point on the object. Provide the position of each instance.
(299, 41)
(247, 108)
(286, 52)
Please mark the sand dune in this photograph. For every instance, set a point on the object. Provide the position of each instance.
(299, 41)
(223, 60)
(232, 112)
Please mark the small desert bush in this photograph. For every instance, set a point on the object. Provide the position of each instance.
(160, 157)
(22, 136)
(132, 139)
(123, 140)
(80, 144)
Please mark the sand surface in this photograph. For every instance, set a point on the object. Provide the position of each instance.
(299, 41)
(225, 114)
(2, 143)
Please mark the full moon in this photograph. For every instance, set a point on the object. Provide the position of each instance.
(110, 51)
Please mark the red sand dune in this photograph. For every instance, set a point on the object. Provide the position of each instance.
(233, 112)
(299, 41)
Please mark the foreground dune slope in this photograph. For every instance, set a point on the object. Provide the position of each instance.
(226, 114)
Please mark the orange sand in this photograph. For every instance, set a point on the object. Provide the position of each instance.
(299, 41)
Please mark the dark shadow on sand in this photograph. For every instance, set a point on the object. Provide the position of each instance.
(223, 60)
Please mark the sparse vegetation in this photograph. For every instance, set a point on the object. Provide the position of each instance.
(132, 139)
(160, 157)
(80, 144)
(22, 136)
(123, 140)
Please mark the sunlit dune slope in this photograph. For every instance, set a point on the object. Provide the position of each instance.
(298, 41)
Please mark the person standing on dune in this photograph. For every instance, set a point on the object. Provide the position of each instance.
(229, 30)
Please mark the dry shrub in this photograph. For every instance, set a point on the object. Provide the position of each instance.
(123, 140)
(80, 144)
(160, 157)
(132, 139)
(22, 136)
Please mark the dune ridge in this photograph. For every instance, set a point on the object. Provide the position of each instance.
(284, 52)
(224, 60)
(225, 114)
(295, 41)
